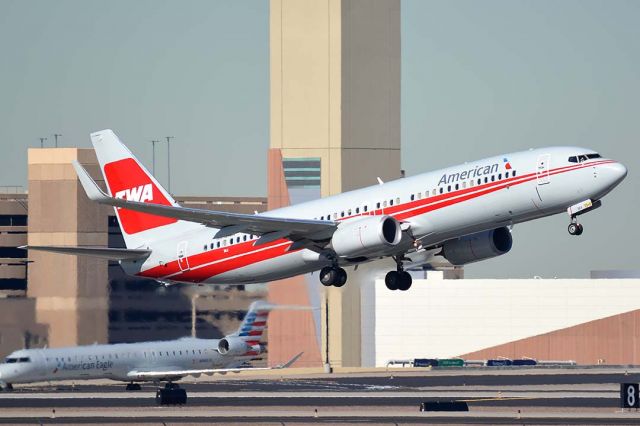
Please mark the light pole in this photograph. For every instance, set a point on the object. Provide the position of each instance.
(153, 156)
(42, 142)
(56, 135)
(169, 160)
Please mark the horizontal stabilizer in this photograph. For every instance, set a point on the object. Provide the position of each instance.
(100, 252)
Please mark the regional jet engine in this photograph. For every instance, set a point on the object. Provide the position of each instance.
(234, 346)
(480, 246)
(366, 236)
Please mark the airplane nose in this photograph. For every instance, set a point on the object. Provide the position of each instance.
(615, 173)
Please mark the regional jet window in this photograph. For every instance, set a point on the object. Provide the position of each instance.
(479, 181)
(441, 190)
(419, 195)
(499, 176)
(434, 192)
(486, 179)
(493, 178)
(464, 184)
(449, 188)
(457, 186)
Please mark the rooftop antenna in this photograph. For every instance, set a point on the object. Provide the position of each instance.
(56, 135)
(42, 142)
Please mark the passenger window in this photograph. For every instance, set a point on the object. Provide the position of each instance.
(413, 197)
(435, 192)
(457, 186)
(218, 244)
(499, 176)
(398, 200)
(506, 175)
(349, 212)
(321, 217)
(384, 204)
(365, 208)
(391, 202)
(237, 239)
(479, 181)
(486, 179)
(471, 183)
(211, 246)
(419, 195)
(464, 184)
(341, 214)
(357, 210)
(449, 188)
(205, 247)
(514, 173)
(441, 190)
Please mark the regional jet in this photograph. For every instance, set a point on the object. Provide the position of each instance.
(463, 213)
(160, 361)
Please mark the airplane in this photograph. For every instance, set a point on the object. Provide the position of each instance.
(463, 213)
(159, 361)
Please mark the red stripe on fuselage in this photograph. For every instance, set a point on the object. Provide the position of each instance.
(217, 261)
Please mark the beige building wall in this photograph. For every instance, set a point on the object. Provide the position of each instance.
(335, 95)
(71, 292)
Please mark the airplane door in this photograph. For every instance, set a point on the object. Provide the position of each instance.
(542, 169)
(183, 260)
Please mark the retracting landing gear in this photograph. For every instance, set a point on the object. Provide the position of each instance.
(171, 394)
(333, 276)
(399, 279)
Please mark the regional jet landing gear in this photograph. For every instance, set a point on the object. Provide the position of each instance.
(133, 386)
(333, 276)
(399, 279)
(171, 394)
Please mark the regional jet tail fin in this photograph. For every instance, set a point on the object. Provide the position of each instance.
(100, 252)
(255, 322)
(175, 374)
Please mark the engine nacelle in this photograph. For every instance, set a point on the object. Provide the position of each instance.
(480, 246)
(366, 236)
(232, 346)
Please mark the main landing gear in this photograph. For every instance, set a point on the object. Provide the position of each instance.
(133, 386)
(333, 276)
(399, 279)
(171, 394)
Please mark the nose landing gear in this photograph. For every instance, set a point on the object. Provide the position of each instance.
(575, 228)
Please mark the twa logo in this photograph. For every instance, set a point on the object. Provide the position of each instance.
(140, 193)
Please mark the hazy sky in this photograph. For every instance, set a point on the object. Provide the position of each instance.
(478, 78)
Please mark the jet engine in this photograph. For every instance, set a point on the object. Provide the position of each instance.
(235, 346)
(480, 246)
(366, 236)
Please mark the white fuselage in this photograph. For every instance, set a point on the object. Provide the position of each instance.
(113, 361)
(437, 206)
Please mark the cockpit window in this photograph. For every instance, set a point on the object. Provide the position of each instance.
(11, 360)
(25, 359)
(583, 158)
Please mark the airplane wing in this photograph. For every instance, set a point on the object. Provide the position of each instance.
(270, 228)
(159, 374)
(100, 252)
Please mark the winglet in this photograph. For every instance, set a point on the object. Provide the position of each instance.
(89, 185)
(290, 362)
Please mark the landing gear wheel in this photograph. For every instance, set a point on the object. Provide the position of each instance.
(405, 281)
(575, 229)
(341, 278)
(392, 280)
(328, 276)
(133, 387)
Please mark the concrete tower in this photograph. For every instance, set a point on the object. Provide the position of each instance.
(335, 126)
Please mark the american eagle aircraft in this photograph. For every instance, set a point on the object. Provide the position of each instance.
(463, 213)
(162, 361)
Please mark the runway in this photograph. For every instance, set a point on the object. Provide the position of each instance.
(589, 396)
